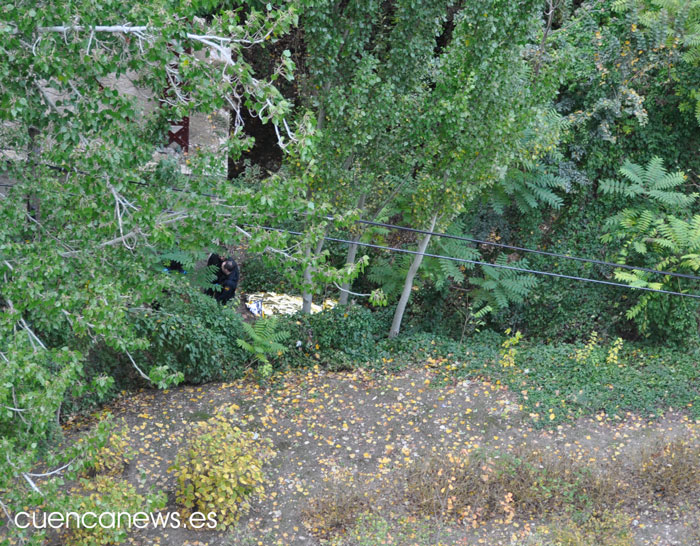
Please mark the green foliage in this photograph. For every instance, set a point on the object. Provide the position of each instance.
(78, 263)
(111, 459)
(441, 274)
(527, 190)
(674, 23)
(651, 184)
(389, 273)
(656, 231)
(498, 288)
(106, 494)
(189, 332)
(264, 340)
(220, 470)
(371, 529)
(352, 330)
(558, 382)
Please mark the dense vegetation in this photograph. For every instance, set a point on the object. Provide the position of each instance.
(563, 126)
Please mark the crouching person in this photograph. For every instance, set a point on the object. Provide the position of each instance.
(226, 277)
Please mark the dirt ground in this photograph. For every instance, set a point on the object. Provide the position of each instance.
(357, 430)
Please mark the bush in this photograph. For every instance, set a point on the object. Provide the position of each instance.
(220, 470)
(482, 486)
(263, 340)
(350, 329)
(106, 494)
(335, 510)
(191, 333)
(111, 459)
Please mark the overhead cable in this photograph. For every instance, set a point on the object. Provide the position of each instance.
(455, 237)
(488, 264)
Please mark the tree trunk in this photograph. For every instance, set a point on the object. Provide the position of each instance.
(352, 254)
(307, 296)
(33, 203)
(408, 284)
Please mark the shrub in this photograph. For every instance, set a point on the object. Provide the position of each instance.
(371, 529)
(220, 470)
(351, 329)
(106, 494)
(191, 333)
(334, 510)
(112, 458)
(264, 339)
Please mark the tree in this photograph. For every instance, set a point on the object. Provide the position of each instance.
(674, 25)
(474, 111)
(365, 73)
(86, 212)
(657, 229)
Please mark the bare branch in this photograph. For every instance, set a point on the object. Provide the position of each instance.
(52, 472)
(350, 292)
(30, 332)
(31, 483)
(133, 362)
(268, 248)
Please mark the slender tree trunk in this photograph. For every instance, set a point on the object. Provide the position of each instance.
(33, 204)
(306, 295)
(352, 254)
(408, 284)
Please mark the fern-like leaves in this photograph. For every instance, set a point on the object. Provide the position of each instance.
(263, 339)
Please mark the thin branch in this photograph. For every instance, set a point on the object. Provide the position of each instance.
(32, 219)
(18, 410)
(31, 332)
(45, 474)
(133, 362)
(220, 45)
(267, 248)
(31, 483)
(350, 292)
(7, 512)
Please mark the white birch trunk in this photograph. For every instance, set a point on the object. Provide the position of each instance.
(408, 284)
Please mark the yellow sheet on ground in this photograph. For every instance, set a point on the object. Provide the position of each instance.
(271, 303)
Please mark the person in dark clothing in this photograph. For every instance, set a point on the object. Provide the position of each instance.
(226, 276)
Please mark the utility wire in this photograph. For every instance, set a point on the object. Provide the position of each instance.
(488, 264)
(448, 236)
(522, 249)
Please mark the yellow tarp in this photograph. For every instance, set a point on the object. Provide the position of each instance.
(270, 303)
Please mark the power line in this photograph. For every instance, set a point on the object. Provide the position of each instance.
(447, 236)
(488, 264)
(530, 250)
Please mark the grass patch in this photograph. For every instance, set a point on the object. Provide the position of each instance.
(608, 528)
(334, 510)
(371, 529)
(670, 469)
(485, 486)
